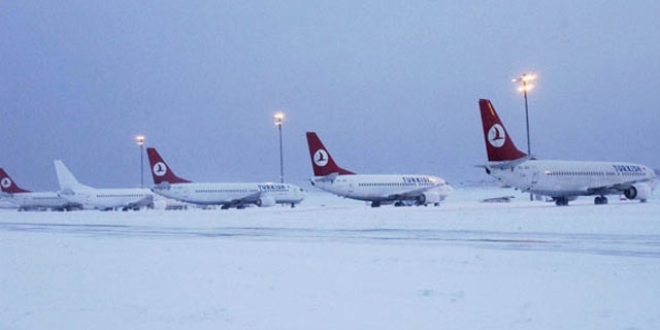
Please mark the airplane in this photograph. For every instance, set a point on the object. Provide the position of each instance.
(561, 180)
(379, 189)
(5, 204)
(27, 200)
(101, 199)
(227, 195)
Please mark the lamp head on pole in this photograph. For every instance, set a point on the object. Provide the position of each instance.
(279, 118)
(525, 79)
(139, 139)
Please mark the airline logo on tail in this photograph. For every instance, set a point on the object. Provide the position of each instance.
(321, 158)
(496, 136)
(499, 145)
(160, 172)
(5, 183)
(159, 169)
(322, 162)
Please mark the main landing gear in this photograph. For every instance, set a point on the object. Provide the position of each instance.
(600, 200)
(410, 203)
(561, 201)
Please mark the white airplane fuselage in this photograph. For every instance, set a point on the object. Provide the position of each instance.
(102, 199)
(261, 194)
(561, 180)
(5, 203)
(106, 199)
(385, 188)
(40, 200)
(574, 178)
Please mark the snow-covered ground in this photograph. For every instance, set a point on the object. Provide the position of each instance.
(332, 263)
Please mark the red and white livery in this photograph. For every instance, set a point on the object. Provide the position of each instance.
(27, 200)
(418, 189)
(227, 195)
(559, 179)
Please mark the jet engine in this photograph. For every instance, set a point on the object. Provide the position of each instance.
(265, 201)
(428, 197)
(641, 191)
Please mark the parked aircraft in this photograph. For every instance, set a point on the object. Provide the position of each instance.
(102, 199)
(227, 195)
(27, 200)
(6, 204)
(559, 179)
(378, 189)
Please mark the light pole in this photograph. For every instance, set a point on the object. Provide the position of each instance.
(140, 142)
(525, 78)
(279, 118)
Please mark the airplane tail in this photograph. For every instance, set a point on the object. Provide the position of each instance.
(159, 169)
(322, 162)
(66, 179)
(7, 185)
(499, 145)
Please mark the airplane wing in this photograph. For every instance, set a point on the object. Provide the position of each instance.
(161, 186)
(330, 177)
(241, 202)
(146, 201)
(614, 189)
(252, 198)
(413, 194)
(506, 164)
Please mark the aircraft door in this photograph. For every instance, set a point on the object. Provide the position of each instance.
(535, 177)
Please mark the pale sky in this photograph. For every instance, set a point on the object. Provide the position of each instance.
(390, 86)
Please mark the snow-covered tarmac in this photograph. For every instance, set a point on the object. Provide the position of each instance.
(336, 264)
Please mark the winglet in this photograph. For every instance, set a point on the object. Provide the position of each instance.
(322, 161)
(499, 145)
(8, 185)
(160, 171)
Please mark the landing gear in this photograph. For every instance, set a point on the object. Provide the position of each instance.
(398, 203)
(561, 201)
(600, 200)
(375, 204)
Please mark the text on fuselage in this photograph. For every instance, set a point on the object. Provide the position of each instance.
(628, 168)
(416, 180)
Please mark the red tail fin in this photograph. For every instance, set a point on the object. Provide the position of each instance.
(159, 169)
(8, 185)
(499, 145)
(322, 162)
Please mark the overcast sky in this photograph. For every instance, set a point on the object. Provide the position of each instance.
(390, 86)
